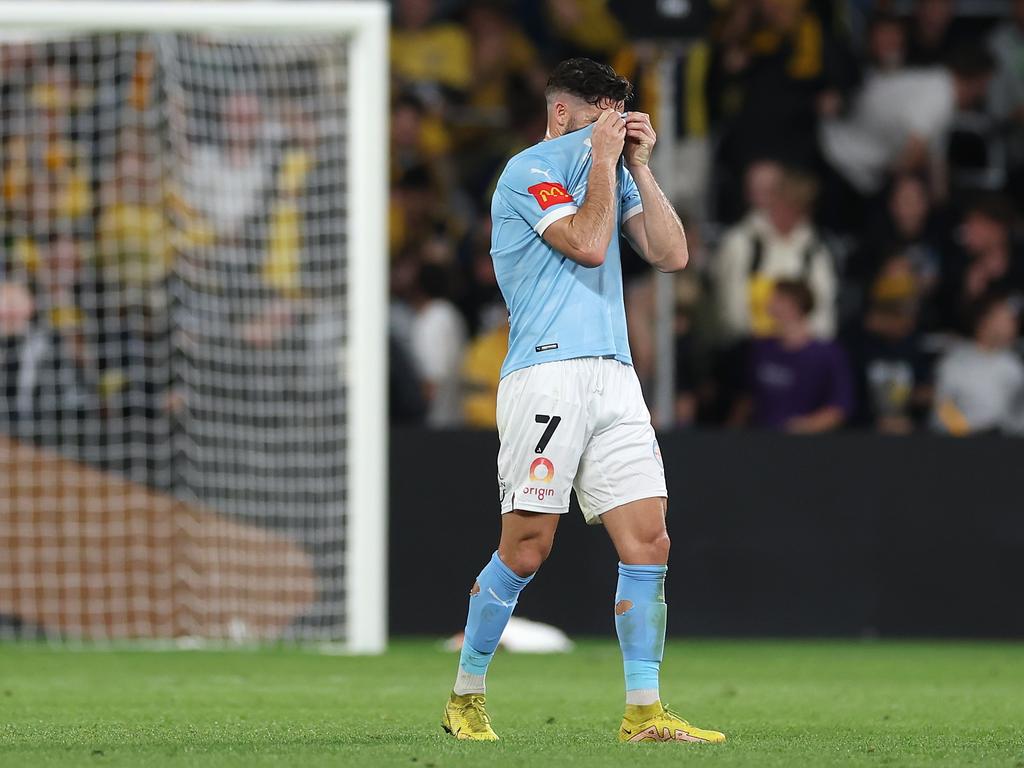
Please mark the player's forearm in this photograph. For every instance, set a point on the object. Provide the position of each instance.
(590, 230)
(666, 239)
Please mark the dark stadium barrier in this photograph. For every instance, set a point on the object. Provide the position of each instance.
(846, 535)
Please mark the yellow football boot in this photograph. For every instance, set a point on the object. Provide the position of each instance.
(654, 722)
(465, 717)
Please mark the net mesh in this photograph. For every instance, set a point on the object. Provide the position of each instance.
(172, 296)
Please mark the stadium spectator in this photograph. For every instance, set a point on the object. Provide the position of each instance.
(761, 182)
(226, 178)
(932, 33)
(419, 139)
(766, 73)
(979, 385)
(22, 347)
(691, 358)
(404, 273)
(482, 303)
(506, 73)
(481, 373)
(910, 226)
(483, 307)
(776, 69)
(504, 60)
(407, 113)
(46, 170)
(59, 158)
(133, 237)
(725, 93)
(690, 318)
(890, 365)
(986, 261)
(97, 329)
(887, 43)
(777, 242)
(16, 308)
(1006, 97)
(644, 65)
(58, 278)
(438, 341)
(418, 212)
(42, 384)
(796, 383)
(881, 135)
(428, 52)
(580, 28)
(405, 395)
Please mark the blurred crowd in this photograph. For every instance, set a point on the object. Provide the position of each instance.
(169, 260)
(851, 175)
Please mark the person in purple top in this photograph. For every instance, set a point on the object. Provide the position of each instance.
(796, 383)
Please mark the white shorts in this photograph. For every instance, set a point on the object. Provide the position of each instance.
(576, 424)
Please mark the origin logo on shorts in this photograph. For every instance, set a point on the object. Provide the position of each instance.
(542, 471)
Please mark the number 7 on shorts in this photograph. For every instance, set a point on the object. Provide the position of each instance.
(552, 424)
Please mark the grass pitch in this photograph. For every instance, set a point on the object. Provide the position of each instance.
(781, 704)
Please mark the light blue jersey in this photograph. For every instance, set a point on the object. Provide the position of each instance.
(558, 309)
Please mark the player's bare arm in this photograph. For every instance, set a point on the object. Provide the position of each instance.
(584, 236)
(656, 233)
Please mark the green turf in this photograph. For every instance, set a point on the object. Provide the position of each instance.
(781, 703)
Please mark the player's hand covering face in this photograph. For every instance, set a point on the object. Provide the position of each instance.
(582, 113)
(640, 139)
(608, 137)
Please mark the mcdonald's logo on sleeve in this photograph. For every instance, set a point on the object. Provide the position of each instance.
(549, 193)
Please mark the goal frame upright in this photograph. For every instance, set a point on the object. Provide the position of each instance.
(364, 25)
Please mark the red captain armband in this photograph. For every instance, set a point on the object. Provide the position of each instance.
(550, 193)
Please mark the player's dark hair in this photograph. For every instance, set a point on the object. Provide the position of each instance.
(799, 293)
(588, 80)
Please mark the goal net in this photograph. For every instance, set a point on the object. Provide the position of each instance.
(191, 321)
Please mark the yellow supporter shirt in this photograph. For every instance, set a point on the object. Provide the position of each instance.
(440, 53)
(481, 371)
(589, 24)
(134, 239)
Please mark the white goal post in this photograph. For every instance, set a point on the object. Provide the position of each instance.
(363, 24)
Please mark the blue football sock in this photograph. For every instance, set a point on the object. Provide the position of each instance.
(491, 602)
(640, 613)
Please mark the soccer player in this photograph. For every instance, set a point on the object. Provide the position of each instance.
(570, 411)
